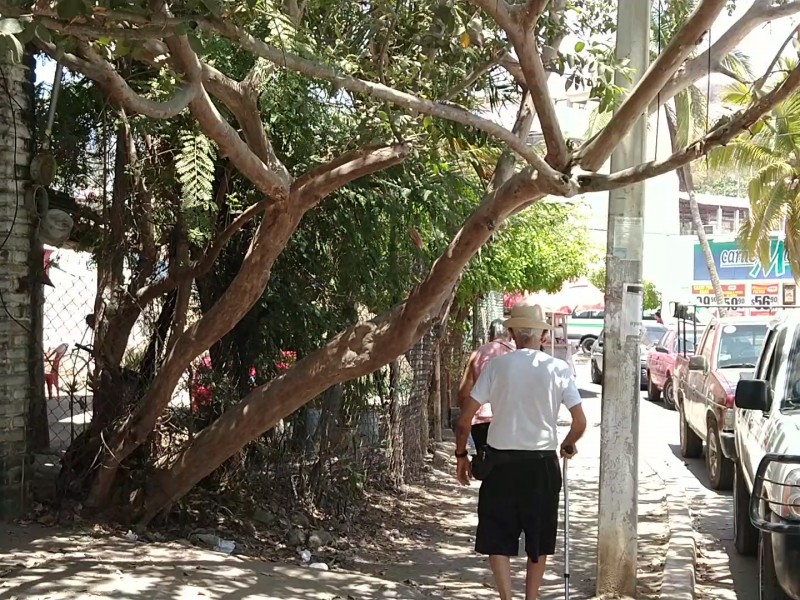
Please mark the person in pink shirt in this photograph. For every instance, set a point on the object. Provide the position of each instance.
(500, 343)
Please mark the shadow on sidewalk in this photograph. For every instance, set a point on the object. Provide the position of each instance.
(70, 566)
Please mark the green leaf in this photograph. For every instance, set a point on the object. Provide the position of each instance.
(43, 33)
(69, 9)
(10, 27)
(195, 43)
(213, 6)
(580, 46)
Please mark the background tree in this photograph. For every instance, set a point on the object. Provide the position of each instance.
(384, 67)
(651, 299)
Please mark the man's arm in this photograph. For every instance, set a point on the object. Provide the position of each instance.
(576, 431)
(467, 381)
(571, 398)
(464, 426)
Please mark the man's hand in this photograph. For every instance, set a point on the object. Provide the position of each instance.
(464, 471)
(568, 450)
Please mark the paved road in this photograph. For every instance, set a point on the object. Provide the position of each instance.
(721, 573)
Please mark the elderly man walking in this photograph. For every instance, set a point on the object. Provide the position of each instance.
(499, 344)
(521, 475)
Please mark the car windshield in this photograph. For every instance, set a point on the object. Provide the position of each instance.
(652, 335)
(740, 345)
(688, 344)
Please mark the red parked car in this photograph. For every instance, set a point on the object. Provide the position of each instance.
(661, 364)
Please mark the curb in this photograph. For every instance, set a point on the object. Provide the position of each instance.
(679, 578)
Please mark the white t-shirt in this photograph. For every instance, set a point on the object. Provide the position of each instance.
(526, 388)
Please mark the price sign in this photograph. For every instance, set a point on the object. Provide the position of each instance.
(734, 295)
(764, 296)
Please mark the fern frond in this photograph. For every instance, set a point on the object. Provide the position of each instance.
(195, 169)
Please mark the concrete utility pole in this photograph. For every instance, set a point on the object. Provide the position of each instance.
(617, 544)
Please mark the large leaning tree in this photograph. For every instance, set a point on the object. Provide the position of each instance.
(104, 39)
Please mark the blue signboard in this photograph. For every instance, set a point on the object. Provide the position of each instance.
(733, 265)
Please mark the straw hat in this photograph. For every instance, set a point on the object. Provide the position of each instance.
(527, 316)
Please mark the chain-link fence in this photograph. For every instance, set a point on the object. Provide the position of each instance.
(376, 428)
(65, 337)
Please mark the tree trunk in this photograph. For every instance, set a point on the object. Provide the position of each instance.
(395, 437)
(686, 183)
(436, 394)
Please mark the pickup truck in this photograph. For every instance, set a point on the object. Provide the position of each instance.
(766, 495)
(706, 388)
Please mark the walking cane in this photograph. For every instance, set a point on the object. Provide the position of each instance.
(566, 524)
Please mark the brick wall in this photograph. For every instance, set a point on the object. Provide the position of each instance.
(18, 318)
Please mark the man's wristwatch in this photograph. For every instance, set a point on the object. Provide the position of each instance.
(463, 454)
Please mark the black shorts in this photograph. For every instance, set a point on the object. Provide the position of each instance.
(480, 434)
(515, 497)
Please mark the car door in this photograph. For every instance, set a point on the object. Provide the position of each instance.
(752, 425)
(667, 343)
(696, 384)
(656, 362)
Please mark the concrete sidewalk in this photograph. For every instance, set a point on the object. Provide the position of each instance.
(431, 552)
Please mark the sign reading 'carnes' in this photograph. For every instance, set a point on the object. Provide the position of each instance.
(734, 265)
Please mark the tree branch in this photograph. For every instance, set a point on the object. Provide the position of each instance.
(597, 152)
(281, 58)
(474, 76)
(762, 11)
(536, 80)
(719, 136)
(530, 14)
(534, 74)
(114, 85)
(273, 180)
(323, 180)
(758, 85)
(203, 265)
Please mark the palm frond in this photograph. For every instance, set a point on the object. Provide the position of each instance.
(792, 234)
(766, 213)
(738, 63)
(767, 178)
(737, 94)
(744, 155)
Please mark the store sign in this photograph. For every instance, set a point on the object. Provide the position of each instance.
(733, 264)
(734, 294)
(764, 295)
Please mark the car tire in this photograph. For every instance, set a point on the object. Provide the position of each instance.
(586, 344)
(597, 375)
(768, 586)
(691, 444)
(653, 393)
(745, 536)
(669, 394)
(720, 468)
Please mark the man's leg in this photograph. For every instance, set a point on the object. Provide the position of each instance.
(535, 575)
(501, 569)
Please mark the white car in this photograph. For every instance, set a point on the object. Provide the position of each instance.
(767, 454)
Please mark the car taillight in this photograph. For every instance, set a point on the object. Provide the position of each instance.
(730, 400)
(730, 419)
(791, 496)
